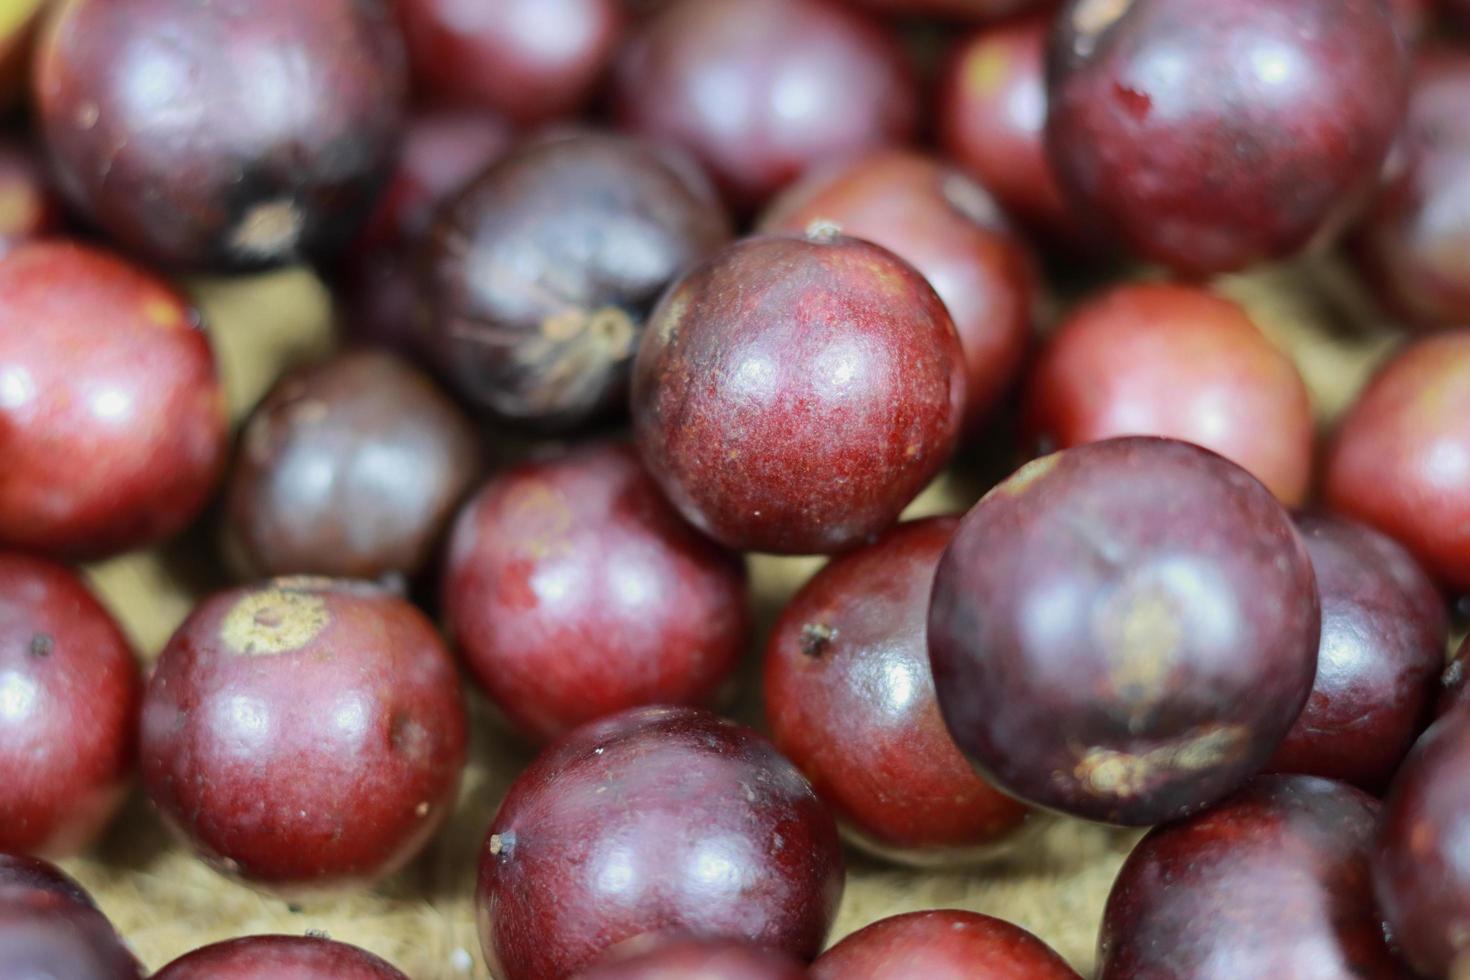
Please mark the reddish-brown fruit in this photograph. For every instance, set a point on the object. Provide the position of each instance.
(352, 467)
(655, 820)
(1413, 18)
(1414, 243)
(1209, 136)
(992, 120)
(1384, 626)
(112, 419)
(279, 958)
(682, 959)
(69, 694)
(1273, 882)
(529, 60)
(1176, 361)
(574, 591)
(36, 874)
(28, 206)
(1401, 458)
(941, 945)
(794, 394)
(950, 229)
(1124, 631)
(760, 91)
(222, 135)
(1421, 865)
(47, 933)
(541, 273)
(1456, 682)
(969, 10)
(850, 699)
(304, 732)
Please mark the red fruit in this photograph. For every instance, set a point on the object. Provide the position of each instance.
(948, 227)
(222, 136)
(793, 395)
(655, 820)
(1421, 866)
(28, 207)
(760, 91)
(1124, 631)
(1401, 458)
(992, 120)
(350, 467)
(304, 732)
(47, 933)
(112, 419)
(19, 871)
(683, 959)
(1176, 361)
(279, 958)
(1384, 627)
(1209, 136)
(941, 945)
(69, 693)
(1413, 18)
(850, 699)
(575, 591)
(1273, 882)
(1456, 682)
(957, 9)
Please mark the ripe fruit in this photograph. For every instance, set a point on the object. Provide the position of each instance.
(19, 871)
(112, 420)
(655, 820)
(792, 395)
(304, 732)
(941, 944)
(683, 959)
(47, 933)
(959, 9)
(284, 957)
(1124, 631)
(28, 207)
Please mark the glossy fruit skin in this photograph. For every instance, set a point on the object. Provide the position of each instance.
(1414, 243)
(304, 733)
(967, 10)
(850, 699)
(29, 208)
(1413, 18)
(856, 91)
(1178, 361)
(279, 129)
(1455, 693)
(948, 228)
(352, 467)
(1273, 882)
(529, 60)
(1379, 660)
(574, 591)
(792, 395)
(656, 798)
(112, 418)
(1124, 631)
(992, 107)
(1385, 467)
(1285, 115)
(20, 871)
(48, 933)
(941, 945)
(279, 958)
(541, 273)
(684, 958)
(69, 695)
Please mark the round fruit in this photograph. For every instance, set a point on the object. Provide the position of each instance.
(47, 933)
(1124, 631)
(683, 959)
(28, 207)
(20, 871)
(941, 944)
(959, 9)
(283, 957)
(794, 394)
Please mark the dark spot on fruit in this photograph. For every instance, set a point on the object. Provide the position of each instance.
(816, 638)
(41, 645)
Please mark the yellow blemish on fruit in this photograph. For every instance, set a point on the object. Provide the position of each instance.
(163, 312)
(1108, 772)
(986, 71)
(1142, 634)
(277, 619)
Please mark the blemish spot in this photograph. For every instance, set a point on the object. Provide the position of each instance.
(823, 231)
(87, 115)
(1142, 633)
(42, 645)
(275, 620)
(816, 639)
(1108, 772)
(422, 810)
(163, 313)
(985, 73)
(270, 230)
(502, 843)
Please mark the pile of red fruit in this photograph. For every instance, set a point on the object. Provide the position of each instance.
(764, 269)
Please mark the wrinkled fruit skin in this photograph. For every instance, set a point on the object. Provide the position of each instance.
(948, 228)
(941, 944)
(112, 418)
(616, 830)
(541, 273)
(1421, 866)
(29, 208)
(47, 933)
(69, 695)
(279, 129)
(575, 591)
(1384, 627)
(707, 959)
(1176, 361)
(1456, 683)
(304, 733)
(1414, 243)
(857, 92)
(282, 957)
(1385, 467)
(20, 871)
(1284, 116)
(792, 395)
(1124, 631)
(352, 467)
(1273, 882)
(529, 60)
(850, 699)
